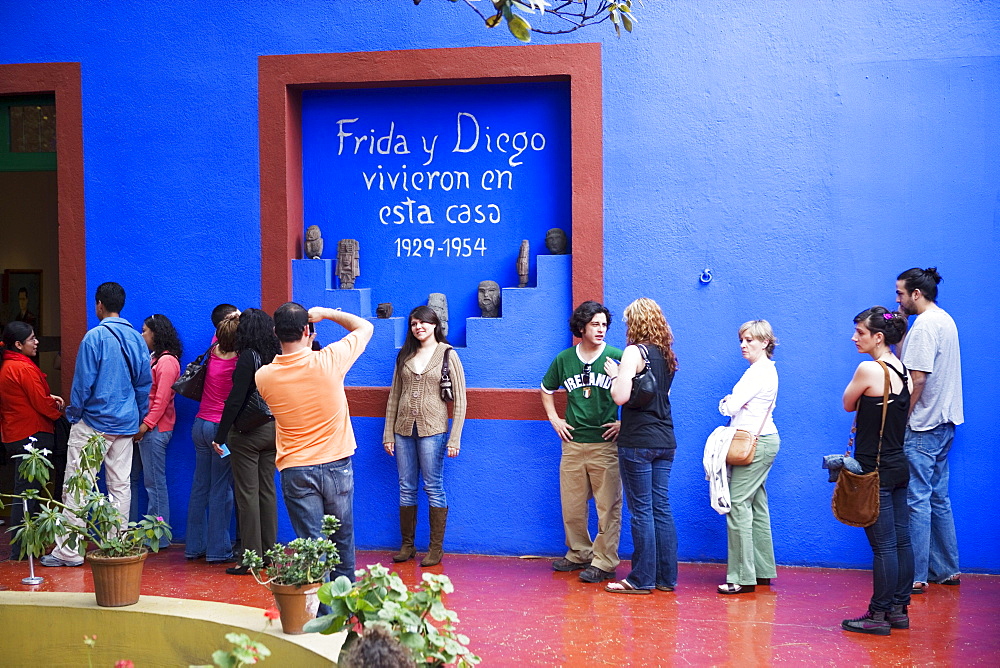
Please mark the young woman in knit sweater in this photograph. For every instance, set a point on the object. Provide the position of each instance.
(416, 427)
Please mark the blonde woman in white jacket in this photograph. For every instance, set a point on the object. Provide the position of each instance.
(751, 405)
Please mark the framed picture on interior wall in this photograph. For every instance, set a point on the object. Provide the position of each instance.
(22, 297)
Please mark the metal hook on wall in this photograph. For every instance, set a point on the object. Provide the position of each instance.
(706, 276)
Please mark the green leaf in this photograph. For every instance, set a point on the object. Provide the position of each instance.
(319, 625)
(493, 21)
(411, 640)
(627, 22)
(341, 586)
(519, 28)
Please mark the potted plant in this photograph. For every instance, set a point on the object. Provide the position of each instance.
(121, 546)
(294, 573)
(418, 619)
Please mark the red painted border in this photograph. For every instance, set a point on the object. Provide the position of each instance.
(281, 80)
(484, 403)
(63, 79)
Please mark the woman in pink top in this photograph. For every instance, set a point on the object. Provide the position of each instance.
(210, 509)
(149, 461)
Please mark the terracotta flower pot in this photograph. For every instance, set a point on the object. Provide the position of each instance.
(296, 603)
(117, 580)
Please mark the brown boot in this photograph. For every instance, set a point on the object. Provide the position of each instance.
(439, 519)
(407, 527)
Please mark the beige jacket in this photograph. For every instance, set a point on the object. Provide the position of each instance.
(415, 398)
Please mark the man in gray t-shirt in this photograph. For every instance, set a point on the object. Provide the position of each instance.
(931, 353)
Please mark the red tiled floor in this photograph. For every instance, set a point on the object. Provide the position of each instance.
(519, 612)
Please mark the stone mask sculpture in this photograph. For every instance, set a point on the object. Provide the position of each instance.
(314, 242)
(383, 310)
(556, 241)
(348, 265)
(489, 299)
(439, 304)
(522, 264)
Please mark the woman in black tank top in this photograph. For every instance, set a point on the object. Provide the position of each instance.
(881, 448)
(646, 450)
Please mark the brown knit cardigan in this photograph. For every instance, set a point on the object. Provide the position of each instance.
(415, 398)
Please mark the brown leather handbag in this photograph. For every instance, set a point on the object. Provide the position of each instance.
(743, 447)
(855, 497)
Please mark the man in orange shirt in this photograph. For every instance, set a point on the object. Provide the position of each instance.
(313, 433)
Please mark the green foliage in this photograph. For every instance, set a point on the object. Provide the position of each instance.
(95, 519)
(418, 618)
(302, 561)
(565, 15)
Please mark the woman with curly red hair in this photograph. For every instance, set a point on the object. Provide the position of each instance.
(646, 448)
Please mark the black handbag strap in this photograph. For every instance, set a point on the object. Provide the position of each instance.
(645, 355)
(445, 371)
(128, 362)
(201, 358)
(885, 408)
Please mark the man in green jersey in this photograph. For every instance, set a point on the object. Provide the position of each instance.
(589, 464)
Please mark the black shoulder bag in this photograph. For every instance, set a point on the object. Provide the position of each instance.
(447, 394)
(255, 411)
(191, 383)
(643, 384)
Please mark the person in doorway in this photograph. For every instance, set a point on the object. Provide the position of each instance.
(931, 353)
(27, 411)
(314, 437)
(110, 396)
(416, 428)
(589, 464)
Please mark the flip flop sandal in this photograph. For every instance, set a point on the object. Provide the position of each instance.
(730, 588)
(664, 588)
(918, 588)
(624, 587)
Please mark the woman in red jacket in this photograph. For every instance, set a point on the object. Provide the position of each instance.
(27, 409)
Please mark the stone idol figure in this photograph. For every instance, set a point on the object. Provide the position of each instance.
(314, 242)
(556, 241)
(439, 304)
(489, 299)
(522, 264)
(348, 265)
(383, 310)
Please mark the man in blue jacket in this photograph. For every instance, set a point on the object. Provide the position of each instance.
(110, 396)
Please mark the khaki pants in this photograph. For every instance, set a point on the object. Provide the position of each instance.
(117, 470)
(591, 470)
(748, 524)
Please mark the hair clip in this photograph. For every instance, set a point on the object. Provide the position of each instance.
(888, 316)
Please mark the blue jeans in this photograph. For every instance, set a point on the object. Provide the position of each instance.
(421, 454)
(324, 489)
(210, 509)
(892, 563)
(932, 526)
(646, 477)
(152, 454)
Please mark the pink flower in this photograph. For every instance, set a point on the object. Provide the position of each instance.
(124, 663)
(272, 613)
(159, 518)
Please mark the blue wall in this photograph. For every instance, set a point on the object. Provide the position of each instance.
(805, 152)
